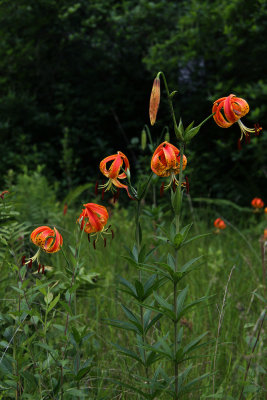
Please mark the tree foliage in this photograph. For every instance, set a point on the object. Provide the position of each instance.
(86, 68)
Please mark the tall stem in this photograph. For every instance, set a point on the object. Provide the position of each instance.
(170, 102)
(138, 245)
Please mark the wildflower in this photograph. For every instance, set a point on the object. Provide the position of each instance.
(219, 225)
(3, 194)
(234, 109)
(65, 209)
(93, 220)
(265, 210)
(154, 101)
(257, 204)
(166, 162)
(117, 170)
(47, 239)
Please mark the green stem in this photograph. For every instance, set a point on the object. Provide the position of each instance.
(138, 245)
(177, 228)
(170, 102)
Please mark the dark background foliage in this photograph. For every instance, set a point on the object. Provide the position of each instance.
(75, 81)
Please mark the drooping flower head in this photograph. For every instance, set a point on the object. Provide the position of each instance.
(257, 204)
(219, 225)
(166, 162)
(3, 194)
(230, 109)
(115, 171)
(93, 219)
(154, 101)
(47, 239)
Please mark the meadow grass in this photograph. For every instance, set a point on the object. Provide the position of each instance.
(236, 250)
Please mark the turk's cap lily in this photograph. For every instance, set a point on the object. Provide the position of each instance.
(166, 162)
(118, 169)
(49, 240)
(230, 109)
(257, 203)
(93, 218)
(219, 224)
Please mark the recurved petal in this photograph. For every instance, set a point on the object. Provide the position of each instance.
(240, 106)
(218, 116)
(228, 109)
(103, 164)
(54, 244)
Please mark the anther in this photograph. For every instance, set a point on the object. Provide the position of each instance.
(65, 209)
(162, 189)
(96, 188)
(257, 128)
(173, 186)
(39, 267)
(23, 260)
(30, 264)
(187, 185)
(88, 238)
(105, 242)
(239, 146)
(94, 244)
(112, 234)
(43, 269)
(103, 193)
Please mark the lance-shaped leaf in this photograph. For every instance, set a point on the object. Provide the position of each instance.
(130, 315)
(165, 307)
(131, 290)
(128, 353)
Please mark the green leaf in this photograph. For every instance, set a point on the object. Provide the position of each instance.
(82, 373)
(189, 263)
(129, 285)
(128, 326)
(139, 290)
(48, 297)
(180, 301)
(191, 346)
(178, 240)
(130, 315)
(152, 322)
(195, 238)
(185, 230)
(176, 200)
(181, 127)
(54, 302)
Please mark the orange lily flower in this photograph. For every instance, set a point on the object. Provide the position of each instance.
(47, 239)
(219, 225)
(93, 220)
(166, 162)
(154, 101)
(3, 194)
(257, 203)
(117, 170)
(234, 109)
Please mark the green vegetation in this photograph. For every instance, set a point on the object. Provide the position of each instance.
(92, 364)
(157, 290)
(76, 76)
